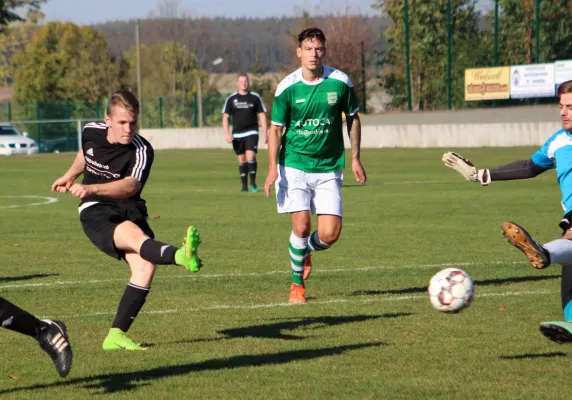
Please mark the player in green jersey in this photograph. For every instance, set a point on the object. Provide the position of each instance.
(306, 153)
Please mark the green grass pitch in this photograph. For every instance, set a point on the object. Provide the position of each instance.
(227, 332)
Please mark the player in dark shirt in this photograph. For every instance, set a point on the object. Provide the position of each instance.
(52, 335)
(245, 108)
(116, 163)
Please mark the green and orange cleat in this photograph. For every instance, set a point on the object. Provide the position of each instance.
(187, 255)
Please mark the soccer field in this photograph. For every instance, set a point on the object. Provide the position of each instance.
(228, 332)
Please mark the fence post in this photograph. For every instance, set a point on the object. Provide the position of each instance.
(79, 134)
(196, 111)
(537, 29)
(38, 125)
(67, 113)
(161, 112)
(449, 40)
(496, 41)
(9, 111)
(407, 66)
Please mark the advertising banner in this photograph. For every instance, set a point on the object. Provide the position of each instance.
(487, 83)
(535, 80)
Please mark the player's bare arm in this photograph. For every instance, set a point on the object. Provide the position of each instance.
(62, 184)
(121, 189)
(263, 127)
(521, 169)
(225, 127)
(274, 135)
(354, 132)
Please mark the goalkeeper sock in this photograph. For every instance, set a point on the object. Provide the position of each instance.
(298, 248)
(560, 251)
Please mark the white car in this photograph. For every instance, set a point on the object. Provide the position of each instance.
(13, 142)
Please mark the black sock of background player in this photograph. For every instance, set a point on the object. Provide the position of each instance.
(242, 171)
(252, 166)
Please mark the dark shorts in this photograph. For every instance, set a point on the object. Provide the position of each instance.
(240, 145)
(100, 220)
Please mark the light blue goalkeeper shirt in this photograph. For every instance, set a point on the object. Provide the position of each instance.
(557, 153)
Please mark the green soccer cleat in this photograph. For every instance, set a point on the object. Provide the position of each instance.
(116, 340)
(557, 331)
(187, 255)
(254, 189)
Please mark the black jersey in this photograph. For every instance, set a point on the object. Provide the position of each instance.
(244, 110)
(106, 162)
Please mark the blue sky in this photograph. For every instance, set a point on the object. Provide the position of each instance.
(90, 12)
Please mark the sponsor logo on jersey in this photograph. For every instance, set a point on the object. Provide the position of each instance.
(314, 126)
(300, 101)
(332, 98)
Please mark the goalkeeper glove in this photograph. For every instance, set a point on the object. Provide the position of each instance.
(466, 168)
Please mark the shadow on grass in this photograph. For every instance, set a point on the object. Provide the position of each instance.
(4, 279)
(112, 383)
(485, 282)
(533, 355)
(274, 330)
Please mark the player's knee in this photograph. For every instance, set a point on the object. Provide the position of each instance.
(143, 269)
(330, 237)
(302, 229)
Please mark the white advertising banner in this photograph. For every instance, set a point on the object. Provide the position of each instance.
(562, 71)
(535, 80)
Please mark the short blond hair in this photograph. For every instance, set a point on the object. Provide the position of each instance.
(125, 99)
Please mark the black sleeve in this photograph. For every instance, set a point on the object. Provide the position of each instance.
(141, 160)
(227, 109)
(93, 132)
(522, 169)
(260, 105)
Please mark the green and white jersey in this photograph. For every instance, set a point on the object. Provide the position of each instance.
(311, 113)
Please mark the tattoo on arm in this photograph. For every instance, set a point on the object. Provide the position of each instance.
(354, 132)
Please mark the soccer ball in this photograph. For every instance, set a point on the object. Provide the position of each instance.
(451, 290)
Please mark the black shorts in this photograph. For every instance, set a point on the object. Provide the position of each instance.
(100, 220)
(240, 145)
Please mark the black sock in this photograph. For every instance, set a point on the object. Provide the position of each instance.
(316, 244)
(14, 318)
(252, 166)
(158, 253)
(242, 171)
(129, 306)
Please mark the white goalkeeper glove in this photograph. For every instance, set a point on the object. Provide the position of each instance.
(466, 168)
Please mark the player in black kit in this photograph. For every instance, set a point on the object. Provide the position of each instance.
(116, 163)
(245, 108)
(52, 335)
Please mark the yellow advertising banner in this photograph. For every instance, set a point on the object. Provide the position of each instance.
(487, 83)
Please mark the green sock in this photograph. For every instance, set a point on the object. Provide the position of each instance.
(297, 277)
(297, 259)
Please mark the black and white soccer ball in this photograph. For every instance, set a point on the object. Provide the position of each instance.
(451, 290)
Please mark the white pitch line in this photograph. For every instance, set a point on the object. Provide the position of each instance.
(47, 200)
(239, 275)
(277, 305)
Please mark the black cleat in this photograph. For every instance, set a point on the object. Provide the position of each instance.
(557, 331)
(54, 341)
(521, 239)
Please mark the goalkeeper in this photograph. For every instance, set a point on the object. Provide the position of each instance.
(557, 151)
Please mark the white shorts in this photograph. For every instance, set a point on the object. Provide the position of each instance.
(318, 192)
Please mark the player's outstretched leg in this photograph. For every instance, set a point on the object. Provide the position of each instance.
(54, 340)
(521, 239)
(188, 255)
(557, 331)
(117, 340)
